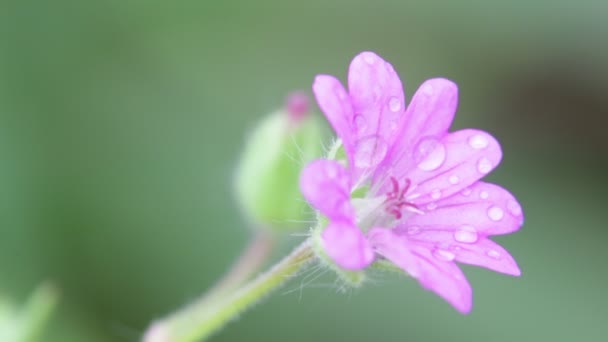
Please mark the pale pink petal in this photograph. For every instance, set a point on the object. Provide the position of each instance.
(347, 245)
(378, 106)
(326, 186)
(428, 117)
(443, 167)
(377, 97)
(486, 253)
(465, 245)
(434, 269)
(483, 208)
(336, 105)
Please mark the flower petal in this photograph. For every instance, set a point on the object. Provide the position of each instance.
(443, 167)
(484, 208)
(347, 245)
(434, 270)
(428, 116)
(378, 106)
(335, 104)
(464, 246)
(490, 255)
(326, 186)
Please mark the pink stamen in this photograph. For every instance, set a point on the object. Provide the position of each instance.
(398, 194)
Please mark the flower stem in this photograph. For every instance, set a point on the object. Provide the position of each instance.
(200, 320)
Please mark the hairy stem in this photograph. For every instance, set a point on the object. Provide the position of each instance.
(198, 321)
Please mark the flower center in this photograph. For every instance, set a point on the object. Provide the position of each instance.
(385, 210)
(396, 201)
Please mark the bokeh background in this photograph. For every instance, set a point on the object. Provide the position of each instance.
(121, 123)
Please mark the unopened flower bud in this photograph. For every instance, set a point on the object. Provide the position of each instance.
(267, 175)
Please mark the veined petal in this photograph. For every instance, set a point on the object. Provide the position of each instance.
(490, 255)
(377, 96)
(463, 246)
(336, 105)
(446, 166)
(428, 116)
(378, 106)
(347, 245)
(434, 269)
(326, 186)
(483, 208)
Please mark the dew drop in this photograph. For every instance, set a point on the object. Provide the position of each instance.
(514, 208)
(466, 234)
(427, 89)
(377, 92)
(430, 154)
(484, 195)
(454, 179)
(369, 58)
(431, 206)
(495, 213)
(484, 165)
(360, 123)
(493, 254)
(444, 255)
(389, 68)
(466, 192)
(413, 230)
(394, 104)
(478, 142)
(370, 151)
(436, 194)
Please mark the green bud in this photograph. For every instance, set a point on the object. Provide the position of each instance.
(267, 176)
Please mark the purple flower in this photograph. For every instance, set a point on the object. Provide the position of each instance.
(408, 190)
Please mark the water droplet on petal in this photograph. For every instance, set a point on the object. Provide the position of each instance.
(454, 179)
(431, 206)
(478, 142)
(370, 151)
(436, 194)
(466, 234)
(369, 58)
(495, 213)
(514, 208)
(394, 104)
(377, 92)
(430, 154)
(360, 123)
(389, 67)
(444, 255)
(484, 195)
(413, 230)
(393, 126)
(484, 165)
(427, 89)
(493, 254)
(466, 192)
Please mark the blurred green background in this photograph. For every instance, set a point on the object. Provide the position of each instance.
(121, 123)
